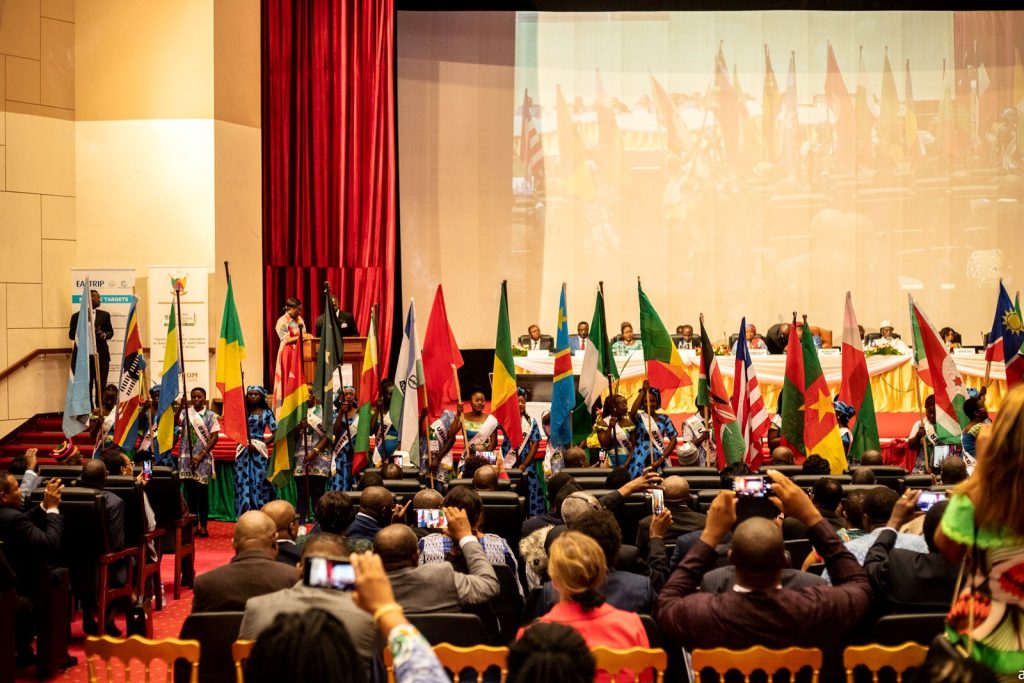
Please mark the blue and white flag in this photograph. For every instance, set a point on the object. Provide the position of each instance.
(78, 399)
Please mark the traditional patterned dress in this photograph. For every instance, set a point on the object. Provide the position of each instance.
(691, 455)
(663, 431)
(387, 441)
(201, 428)
(318, 465)
(536, 484)
(343, 452)
(252, 490)
(438, 548)
(618, 454)
(478, 434)
(438, 433)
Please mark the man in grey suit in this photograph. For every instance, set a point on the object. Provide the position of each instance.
(436, 587)
(254, 570)
(261, 611)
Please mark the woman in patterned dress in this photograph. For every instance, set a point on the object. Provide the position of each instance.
(252, 490)
(312, 460)
(615, 432)
(346, 425)
(195, 462)
(664, 433)
(386, 441)
(533, 467)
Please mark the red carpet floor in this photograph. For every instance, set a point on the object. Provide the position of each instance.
(211, 552)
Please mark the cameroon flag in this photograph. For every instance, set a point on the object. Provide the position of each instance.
(230, 352)
(290, 396)
(504, 400)
(664, 365)
(369, 387)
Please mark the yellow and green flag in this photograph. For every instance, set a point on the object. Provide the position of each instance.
(170, 388)
(369, 387)
(665, 369)
(290, 396)
(504, 400)
(230, 352)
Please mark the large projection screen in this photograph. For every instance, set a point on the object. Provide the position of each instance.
(741, 163)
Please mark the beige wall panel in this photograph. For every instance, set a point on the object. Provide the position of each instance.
(151, 181)
(57, 87)
(24, 396)
(19, 24)
(22, 80)
(58, 259)
(3, 162)
(3, 405)
(22, 342)
(170, 70)
(19, 231)
(24, 306)
(8, 426)
(58, 218)
(236, 68)
(4, 360)
(58, 9)
(40, 154)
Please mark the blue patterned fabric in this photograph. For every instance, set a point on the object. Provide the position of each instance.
(642, 452)
(252, 490)
(341, 480)
(203, 471)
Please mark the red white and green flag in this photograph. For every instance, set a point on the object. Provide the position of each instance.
(856, 387)
(369, 387)
(711, 394)
(935, 367)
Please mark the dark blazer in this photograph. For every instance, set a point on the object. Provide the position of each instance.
(28, 538)
(684, 520)
(909, 581)
(363, 526)
(250, 573)
(723, 579)
(102, 325)
(622, 590)
(546, 342)
(288, 553)
(345, 320)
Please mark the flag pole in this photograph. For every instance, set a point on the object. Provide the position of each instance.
(708, 415)
(181, 359)
(241, 369)
(305, 444)
(917, 395)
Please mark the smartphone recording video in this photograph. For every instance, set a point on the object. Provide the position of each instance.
(657, 501)
(322, 572)
(431, 519)
(927, 499)
(147, 470)
(754, 486)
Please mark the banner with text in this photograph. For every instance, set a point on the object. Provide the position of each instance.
(116, 287)
(193, 323)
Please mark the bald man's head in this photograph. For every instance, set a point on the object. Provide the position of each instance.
(782, 456)
(485, 478)
(94, 473)
(871, 458)
(377, 501)
(255, 530)
(396, 546)
(758, 553)
(677, 490)
(427, 499)
(283, 514)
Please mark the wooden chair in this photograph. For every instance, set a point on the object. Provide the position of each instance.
(637, 660)
(240, 651)
(876, 657)
(757, 658)
(478, 658)
(145, 651)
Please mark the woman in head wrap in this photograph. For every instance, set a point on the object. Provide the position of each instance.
(655, 434)
(844, 413)
(252, 490)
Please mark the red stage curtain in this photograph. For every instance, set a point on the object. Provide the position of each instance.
(328, 160)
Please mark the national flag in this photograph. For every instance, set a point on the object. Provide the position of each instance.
(328, 359)
(234, 423)
(793, 384)
(865, 110)
(771, 105)
(1005, 338)
(572, 158)
(609, 138)
(369, 387)
(441, 359)
(726, 105)
(792, 136)
(531, 149)
(1018, 94)
(962, 100)
(936, 368)
(504, 395)
(711, 394)
(291, 394)
(78, 397)
(562, 386)
(841, 105)
(946, 132)
(856, 387)
(405, 399)
(665, 369)
(170, 388)
(678, 138)
(910, 132)
(985, 104)
(747, 403)
(129, 400)
(598, 367)
(890, 146)
(741, 96)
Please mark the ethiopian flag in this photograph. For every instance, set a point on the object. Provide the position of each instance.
(170, 388)
(369, 387)
(937, 370)
(504, 400)
(598, 367)
(230, 352)
(664, 364)
(290, 396)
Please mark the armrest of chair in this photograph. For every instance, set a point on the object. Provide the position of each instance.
(119, 555)
(154, 535)
(185, 520)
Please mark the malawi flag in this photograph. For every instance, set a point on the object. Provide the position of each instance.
(1004, 341)
(230, 352)
(441, 360)
(504, 400)
(369, 387)
(665, 369)
(562, 389)
(126, 423)
(935, 367)
(711, 394)
(290, 396)
(856, 388)
(598, 367)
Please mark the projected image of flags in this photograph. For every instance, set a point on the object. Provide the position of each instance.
(531, 151)
(1005, 338)
(129, 401)
(747, 403)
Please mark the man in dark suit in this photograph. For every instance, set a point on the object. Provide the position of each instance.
(684, 519)
(580, 340)
(376, 509)
(287, 524)
(535, 341)
(84, 576)
(252, 571)
(346, 322)
(29, 540)
(104, 331)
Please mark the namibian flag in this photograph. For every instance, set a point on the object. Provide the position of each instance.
(504, 400)
(1004, 341)
(290, 396)
(664, 365)
(230, 352)
(170, 388)
(563, 390)
(369, 387)
(126, 424)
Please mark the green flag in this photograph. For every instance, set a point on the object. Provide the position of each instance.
(598, 366)
(327, 361)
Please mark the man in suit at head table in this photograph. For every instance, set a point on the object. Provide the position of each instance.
(536, 341)
(580, 340)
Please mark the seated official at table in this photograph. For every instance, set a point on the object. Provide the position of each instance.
(535, 341)
(580, 340)
(685, 339)
(628, 343)
(776, 338)
(754, 340)
(887, 337)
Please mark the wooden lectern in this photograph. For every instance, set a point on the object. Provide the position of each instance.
(354, 348)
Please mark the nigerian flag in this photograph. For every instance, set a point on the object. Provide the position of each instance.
(598, 366)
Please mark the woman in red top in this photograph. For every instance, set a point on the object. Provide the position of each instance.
(577, 568)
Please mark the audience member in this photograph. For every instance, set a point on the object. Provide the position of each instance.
(333, 513)
(437, 587)
(827, 495)
(758, 611)
(252, 571)
(84, 574)
(684, 518)
(782, 456)
(906, 580)
(576, 505)
(118, 461)
(871, 458)
(853, 513)
(370, 478)
(376, 509)
(550, 652)
(287, 523)
(262, 610)
(815, 464)
(485, 478)
(25, 465)
(559, 486)
(723, 580)
(862, 476)
(391, 471)
(574, 456)
(427, 499)
(952, 471)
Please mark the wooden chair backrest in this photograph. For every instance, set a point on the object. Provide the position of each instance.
(240, 651)
(637, 660)
(145, 651)
(758, 658)
(876, 657)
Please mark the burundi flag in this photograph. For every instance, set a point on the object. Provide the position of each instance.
(78, 397)
(562, 389)
(1004, 340)
(328, 359)
(291, 394)
(711, 394)
(369, 387)
(129, 400)
(170, 389)
(504, 399)
(405, 399)
(230, 353)
(935, 367)
(598, 367)
(665, 369)
(856, 388)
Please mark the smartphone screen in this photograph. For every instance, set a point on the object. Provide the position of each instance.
(752, 486)
(147, 469)
(431, 519)
(657, 501)
(322, 572)
(927, 499)
(490, 456)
